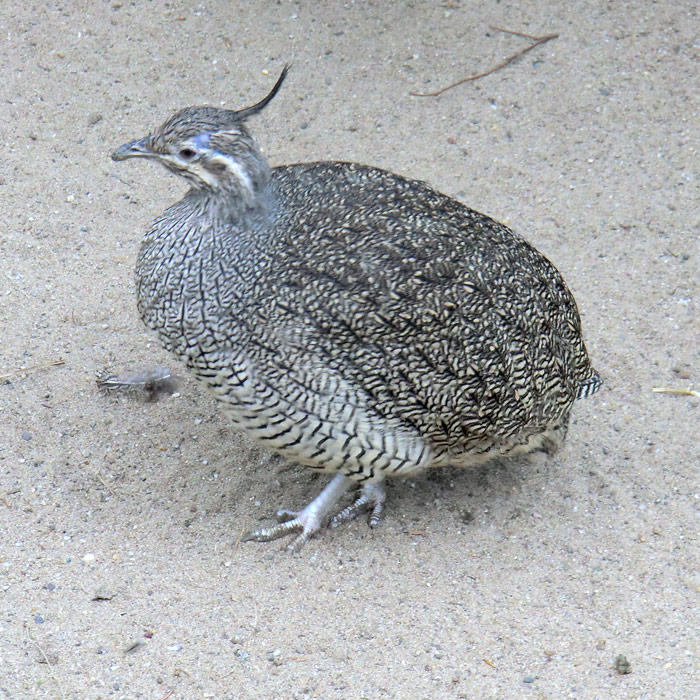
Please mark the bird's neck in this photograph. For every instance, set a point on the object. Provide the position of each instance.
(229, 208)
(241, 195)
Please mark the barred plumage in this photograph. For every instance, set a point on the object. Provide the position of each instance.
(355, 321)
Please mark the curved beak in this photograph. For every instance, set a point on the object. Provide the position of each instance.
(133, 149)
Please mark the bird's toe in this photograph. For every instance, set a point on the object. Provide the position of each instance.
(372, 498)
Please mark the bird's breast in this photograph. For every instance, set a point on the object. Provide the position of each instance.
(192, 289)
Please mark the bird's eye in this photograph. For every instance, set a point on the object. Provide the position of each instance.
(187, 153)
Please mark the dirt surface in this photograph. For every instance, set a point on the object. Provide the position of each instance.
(121, 570)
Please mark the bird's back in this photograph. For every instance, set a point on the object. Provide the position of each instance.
(442, 317)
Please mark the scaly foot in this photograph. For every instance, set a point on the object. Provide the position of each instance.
(310, 520)
(372, 498)
(306, 522)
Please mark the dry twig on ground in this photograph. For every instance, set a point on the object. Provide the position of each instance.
(536, 39)
(23, 370)
(678, 392)
(47, 661)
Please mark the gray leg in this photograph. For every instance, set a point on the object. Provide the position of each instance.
(306, 522)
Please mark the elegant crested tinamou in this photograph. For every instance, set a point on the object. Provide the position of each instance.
(355, 321)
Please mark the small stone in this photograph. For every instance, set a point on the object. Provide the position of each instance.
(466, 516)
(26, 435)
(89, 557)
(102, 593)
(50, 659)
(528, 679)
(39, 620)
(622, 665)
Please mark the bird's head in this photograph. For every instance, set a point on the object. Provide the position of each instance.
(211, 148)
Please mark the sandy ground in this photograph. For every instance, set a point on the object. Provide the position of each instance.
(120, 519)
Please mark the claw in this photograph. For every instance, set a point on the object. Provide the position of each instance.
(307, 522)
(305, 529)
(372, 498)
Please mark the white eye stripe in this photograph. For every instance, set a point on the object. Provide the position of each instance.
(196, 170)
(235, 168)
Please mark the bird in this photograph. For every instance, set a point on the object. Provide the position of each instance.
(355, 321)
